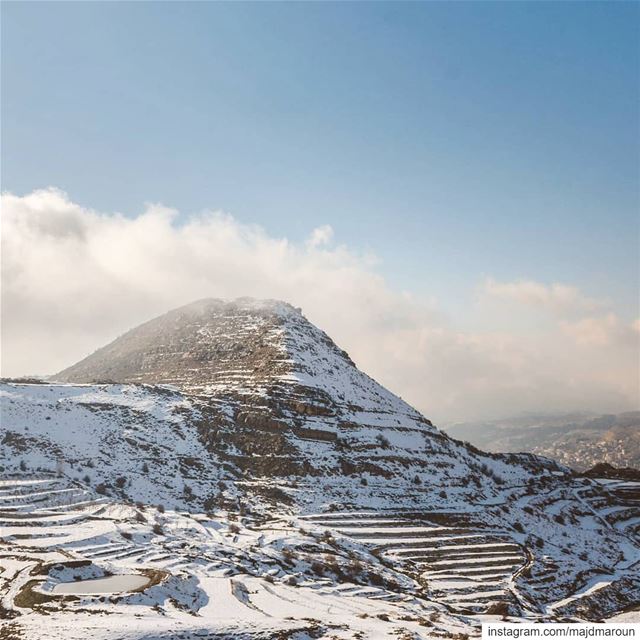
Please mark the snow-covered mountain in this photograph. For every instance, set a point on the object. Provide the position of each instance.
(231, 450)
(278, 398)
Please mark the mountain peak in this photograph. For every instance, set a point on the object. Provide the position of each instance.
(220, 344)
(197, 344)
(245, 348)
(246, 304)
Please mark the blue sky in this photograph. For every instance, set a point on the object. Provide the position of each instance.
(453, 140)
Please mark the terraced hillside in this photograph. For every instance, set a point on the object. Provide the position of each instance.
(69, 556)
(618, 502)
(336, 574)
(465, 564)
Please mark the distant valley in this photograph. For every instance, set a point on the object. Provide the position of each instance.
(579, 441)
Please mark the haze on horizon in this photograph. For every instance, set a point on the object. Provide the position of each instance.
(450, 191)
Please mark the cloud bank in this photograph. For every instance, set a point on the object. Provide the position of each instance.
(74, 279)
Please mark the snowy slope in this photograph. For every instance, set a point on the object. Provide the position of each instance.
(101, 433)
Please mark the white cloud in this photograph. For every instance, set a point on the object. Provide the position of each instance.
(321, 236)
(604, 331)
(74, 279)
(557, 298)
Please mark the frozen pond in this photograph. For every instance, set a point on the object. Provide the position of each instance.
(111, 584)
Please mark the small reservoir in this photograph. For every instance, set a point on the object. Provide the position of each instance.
(107, 585)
